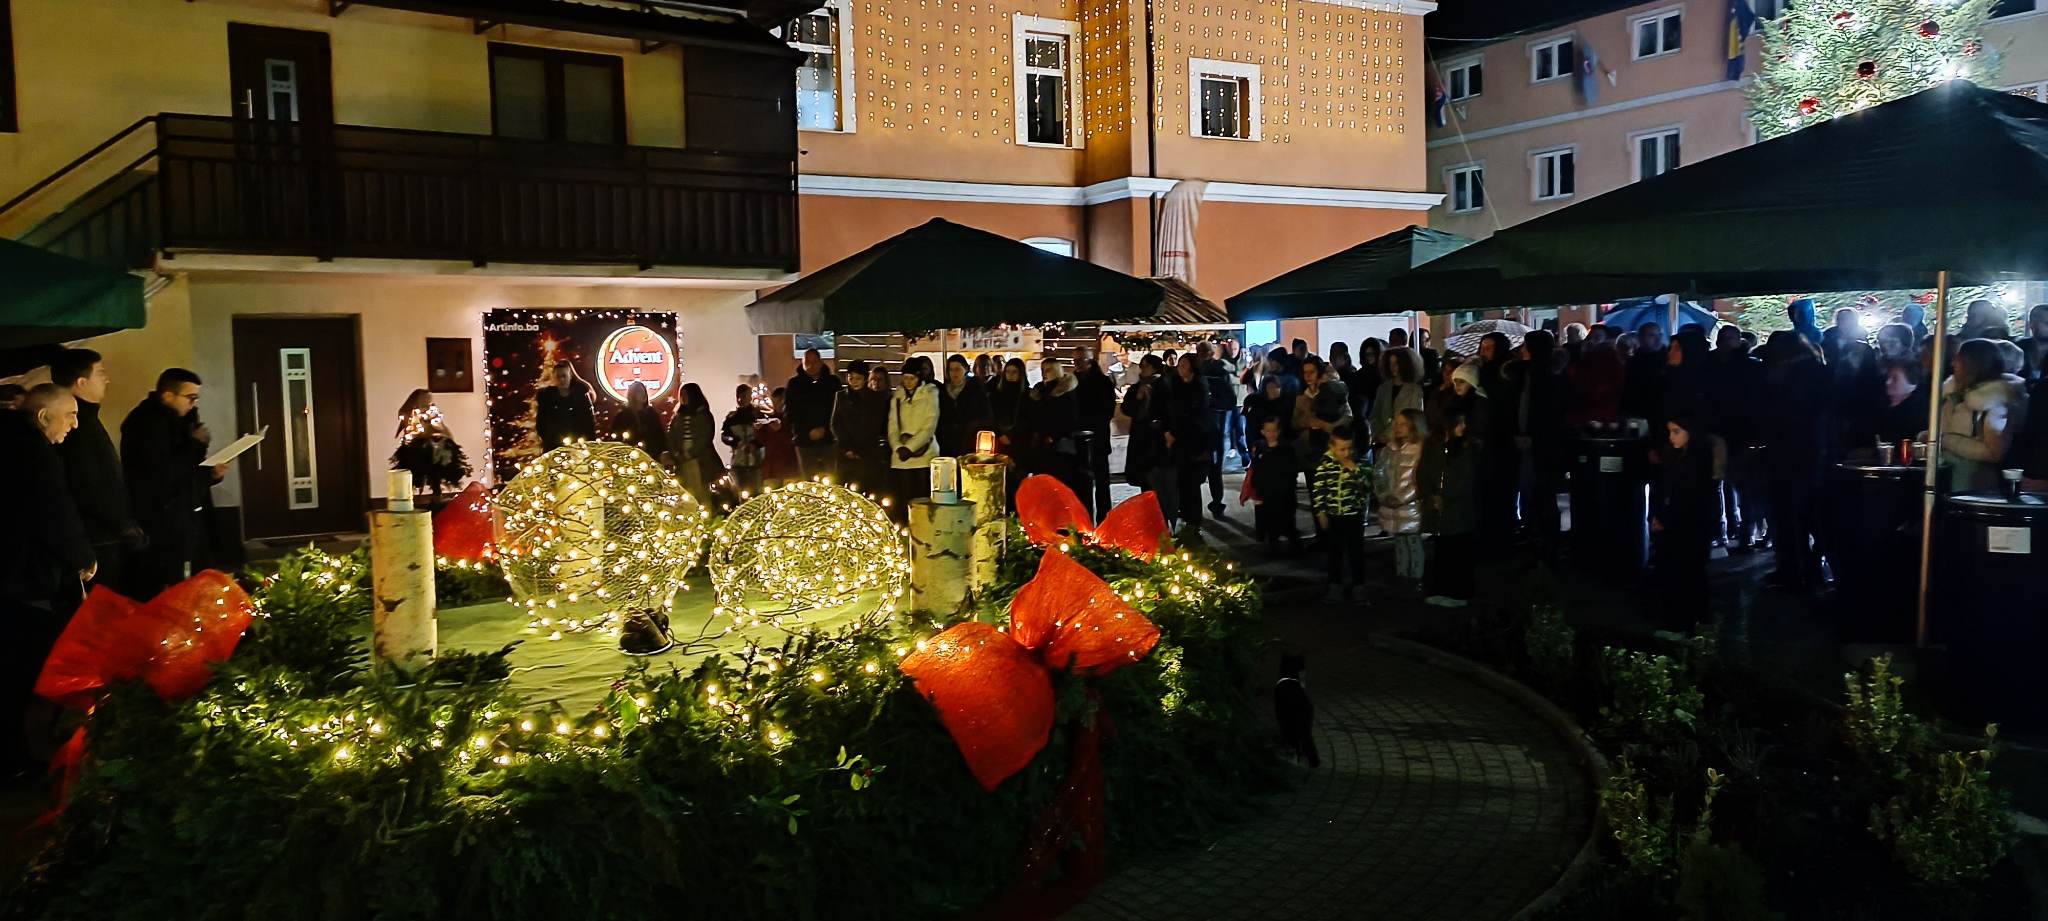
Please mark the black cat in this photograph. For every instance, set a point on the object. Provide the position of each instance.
(1296, 713)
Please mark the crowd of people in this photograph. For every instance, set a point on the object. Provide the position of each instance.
(1739, 431)
(85, 514)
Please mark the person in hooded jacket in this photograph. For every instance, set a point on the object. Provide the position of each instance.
(1800, 312)
(1981, 416)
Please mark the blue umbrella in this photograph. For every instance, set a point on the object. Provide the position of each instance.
(1634, 312)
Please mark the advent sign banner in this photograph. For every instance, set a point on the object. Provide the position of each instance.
(611, 350)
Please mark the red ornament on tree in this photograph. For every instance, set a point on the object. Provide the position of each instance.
(1867, 69)
(1842, 19)
(1929, 29)
(1972, 46)
(1809, 105)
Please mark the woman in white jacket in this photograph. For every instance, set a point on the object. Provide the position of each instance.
(913, 430)
(1981, 416)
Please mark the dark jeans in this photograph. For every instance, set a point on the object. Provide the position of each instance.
(1219, 422)
(1274, 518)
(1681, 578)
(816, 460)
(1190, 475)
(1457, 556)
(1540, 487)
(905, 484)
(1234, 433)
(32, 630)
(1098, 464)
(869, 473)
(1791, 515)
(1344, 538)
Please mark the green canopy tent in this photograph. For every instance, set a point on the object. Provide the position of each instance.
(1353, 282)
(1471, 279)
(943, 275)
(46, 298)
(1942, 187)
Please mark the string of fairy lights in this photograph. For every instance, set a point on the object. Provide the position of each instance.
(806, 546)
(948, 68)
(363, 731)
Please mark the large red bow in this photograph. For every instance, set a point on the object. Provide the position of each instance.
(1046, 507)
(171, 641)
(462, 528)
(993, 690)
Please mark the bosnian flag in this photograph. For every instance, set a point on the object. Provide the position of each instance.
(1741, 22)
(1439, 105)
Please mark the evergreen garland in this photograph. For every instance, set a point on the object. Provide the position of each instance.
(1826, 58)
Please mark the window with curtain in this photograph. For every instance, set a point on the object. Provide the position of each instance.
(550, 95)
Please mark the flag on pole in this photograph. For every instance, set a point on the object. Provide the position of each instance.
(1439, 105)
(1741, 22)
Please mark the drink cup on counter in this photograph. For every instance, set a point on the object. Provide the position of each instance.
(2012, 476)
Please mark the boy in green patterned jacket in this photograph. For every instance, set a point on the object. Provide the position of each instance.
(1340, 495)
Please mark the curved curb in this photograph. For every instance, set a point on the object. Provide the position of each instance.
(1591, 764)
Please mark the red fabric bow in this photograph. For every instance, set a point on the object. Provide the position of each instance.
(993, 690)
(1046, 507)
(462, 528)
(170, 642)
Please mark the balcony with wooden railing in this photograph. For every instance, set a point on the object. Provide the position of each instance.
(222, 185)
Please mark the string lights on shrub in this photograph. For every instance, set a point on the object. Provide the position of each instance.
(596, 523)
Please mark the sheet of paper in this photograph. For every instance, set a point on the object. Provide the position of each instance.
(2010, 540)
(235, 448)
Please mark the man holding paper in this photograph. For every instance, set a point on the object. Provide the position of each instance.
(160, 454)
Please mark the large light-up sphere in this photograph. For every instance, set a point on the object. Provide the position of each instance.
(802, 547)
(596, 529)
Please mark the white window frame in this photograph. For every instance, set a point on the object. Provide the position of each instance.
(1477, 64)
(1451, 174)
(1536, 49)
(1635, 149)
(1538, 160)
(1023, 25)
(1635, 28)
(1229, 70)
(1058, 246)
(842, 13)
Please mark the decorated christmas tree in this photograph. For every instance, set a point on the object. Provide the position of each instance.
(1827, 58)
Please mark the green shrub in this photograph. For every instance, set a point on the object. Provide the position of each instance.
(1647, 833)
(1881, 729)
(1950, 826)
(1654, 696)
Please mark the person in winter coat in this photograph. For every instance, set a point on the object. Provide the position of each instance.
(1008, 404)
(1905, 412)
(1190, 431)
(963, 409)
(1499, 458)
(740, 431)
(1682, 524)
(93, 469)
(1397, 492)
(1341, 495)
(562, 409)
(639, 424)
(1734, 384)
(1053, 415)
(1980, 416)
(1321, 408)
(1364, 382)
(1596, 380)
(1276, 467)
(1271, 401)
(1146, 455)
(913, 434)
(160, 453)
(44, 552)
(1400, 388)
(860, 416)
(808, 420)
(689, 444)
(781, 463)
(1095, 407)
(1642, 386)
(1448, 478)
(1984, 320)
(1220, 384)
(1539, 433)
(1685, 378)
(1792, 431)
(1801, 313)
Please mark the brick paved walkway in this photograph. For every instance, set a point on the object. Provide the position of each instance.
(1439, 797)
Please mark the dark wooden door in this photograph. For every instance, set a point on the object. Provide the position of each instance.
(302, 377)
(280, 75)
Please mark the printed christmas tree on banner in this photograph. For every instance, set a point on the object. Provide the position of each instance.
(1826, 58)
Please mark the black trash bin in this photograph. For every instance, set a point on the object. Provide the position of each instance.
(1873, 526)
(1990, 603)
(1610, 503)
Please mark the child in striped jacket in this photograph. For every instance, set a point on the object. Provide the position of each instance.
(1341, 494)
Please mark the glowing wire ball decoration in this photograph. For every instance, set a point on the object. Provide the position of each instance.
(596, 521)
(803, 547)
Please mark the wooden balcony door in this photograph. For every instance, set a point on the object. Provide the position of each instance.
(302, 377)
(283, 76)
